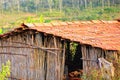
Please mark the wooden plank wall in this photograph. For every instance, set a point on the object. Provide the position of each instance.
(91, 54)
(33, 64)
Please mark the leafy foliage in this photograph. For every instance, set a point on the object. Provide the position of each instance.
(40, 20)
(73, 49)
(1, 31)
(5, 71)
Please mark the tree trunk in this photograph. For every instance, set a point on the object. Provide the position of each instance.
(36, 5)
(55, 4)
(73, 3)
(18, 5)
(1, 7)
(60, 5)
(85, 4)
(91, 4)
(50, 5)
(78, 4)
(108, 2)
(102, 3)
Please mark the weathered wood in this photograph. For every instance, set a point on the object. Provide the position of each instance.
(56, 61)
(33, 64)
(31, 58)
(62, 61)
(91, 54)
(32, 47)
(83, 49)
(12, 54)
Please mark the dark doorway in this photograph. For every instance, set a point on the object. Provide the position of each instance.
(73, 60)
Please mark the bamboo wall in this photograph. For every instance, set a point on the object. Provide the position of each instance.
(33, 56)
(91, 54)
(37, 56)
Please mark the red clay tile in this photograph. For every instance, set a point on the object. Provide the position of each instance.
(102, 34)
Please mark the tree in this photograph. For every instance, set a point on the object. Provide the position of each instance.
(91, 4)
(1, 6)
(60, 5)
(108, 2)
(85, 3)
(36, 3)
(73, 3)
(18, 5)
(102, 3)
(55, 4)
(50, 5)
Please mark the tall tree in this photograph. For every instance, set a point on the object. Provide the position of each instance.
(18, 5)
(50, 5)
(56, 2)
(85, 1)
(36, 4)
(91, 4)
(102, 3)
(108, 2)
(1, 6)
(60, 5)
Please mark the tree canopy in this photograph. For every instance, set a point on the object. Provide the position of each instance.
(50, 5)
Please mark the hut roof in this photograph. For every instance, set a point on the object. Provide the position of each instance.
(102, 34)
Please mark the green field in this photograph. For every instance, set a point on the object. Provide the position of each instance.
(10, 20)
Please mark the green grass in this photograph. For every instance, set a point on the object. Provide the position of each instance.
(10, 20)
(94, 14)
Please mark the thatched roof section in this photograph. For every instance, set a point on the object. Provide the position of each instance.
(102, 34)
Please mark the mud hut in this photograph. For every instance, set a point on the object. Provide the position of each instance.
(40, 51)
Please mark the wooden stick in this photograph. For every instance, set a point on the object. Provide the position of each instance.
(89, 60)
(32, 47)
(9, 53)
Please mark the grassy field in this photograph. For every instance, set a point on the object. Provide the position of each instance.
(10, 20)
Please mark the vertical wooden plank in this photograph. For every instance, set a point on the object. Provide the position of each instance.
(21, 67)
(57, 60)
(50, 60)
(97, 54)
(30, 61)
(40, 58)
(88, 57)
(83, 49)
(62, 60)
(91, 53)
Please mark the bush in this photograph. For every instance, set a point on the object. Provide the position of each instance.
(1, 31)
(52, 14)
(5, 71)
(37, 20)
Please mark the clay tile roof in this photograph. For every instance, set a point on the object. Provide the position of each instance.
(96, 21)
(30, 24)
(38, 24)
(47, 24)
(102, 34)
(63, 23)
(55, 23)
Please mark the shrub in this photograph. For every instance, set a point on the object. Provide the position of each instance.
(5, 71)
(1, 31)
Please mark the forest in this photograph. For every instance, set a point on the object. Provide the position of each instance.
(14, 12)
(51, 5)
